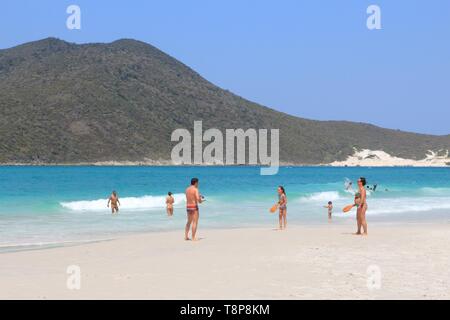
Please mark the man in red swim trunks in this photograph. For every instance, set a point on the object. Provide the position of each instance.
(193, 198)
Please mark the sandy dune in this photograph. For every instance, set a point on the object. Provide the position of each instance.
(378, 158)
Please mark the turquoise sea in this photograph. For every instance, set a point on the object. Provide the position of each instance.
(52, 206)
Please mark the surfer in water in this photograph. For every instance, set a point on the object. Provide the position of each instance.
(361, 205)
(114, 201)
(169, 204)
(348, 186)
(193, 198)
(282, 202)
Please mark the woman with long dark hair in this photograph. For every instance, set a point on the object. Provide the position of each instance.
(282, 207)
(361, 204)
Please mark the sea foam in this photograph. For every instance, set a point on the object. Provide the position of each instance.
(322, 196)
(128, 203)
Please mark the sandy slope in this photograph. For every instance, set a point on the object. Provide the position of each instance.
(378, 158)
(323, 262)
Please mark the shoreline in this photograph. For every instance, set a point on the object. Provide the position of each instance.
(140, 164)
(303, 262)
(5, 249)
(359, 158)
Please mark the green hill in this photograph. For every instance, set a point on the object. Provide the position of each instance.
(120, 101)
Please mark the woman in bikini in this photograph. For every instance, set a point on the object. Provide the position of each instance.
(361, 205)
(282, 202)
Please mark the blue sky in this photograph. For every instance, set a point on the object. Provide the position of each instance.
(312, 58)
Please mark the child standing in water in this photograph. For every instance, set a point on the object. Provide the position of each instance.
(330, 209)
(282, 202)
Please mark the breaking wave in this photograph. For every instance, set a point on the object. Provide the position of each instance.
(129, 203)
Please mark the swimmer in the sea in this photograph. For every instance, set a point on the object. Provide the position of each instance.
(114, 201)
(169, 204)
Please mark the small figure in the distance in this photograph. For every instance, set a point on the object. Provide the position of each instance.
(114, 201)
(330, 209)
(169, 204)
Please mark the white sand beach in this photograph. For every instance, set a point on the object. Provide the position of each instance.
(303, 262)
